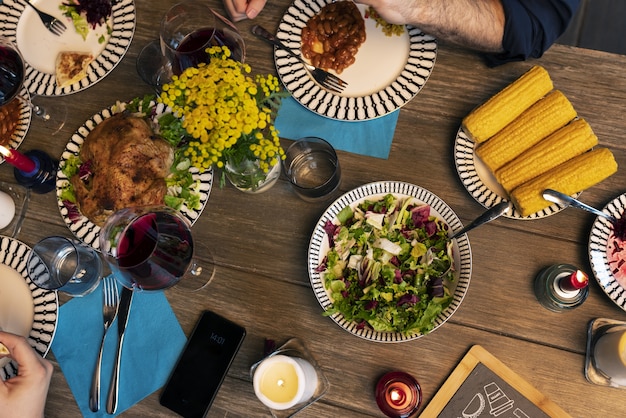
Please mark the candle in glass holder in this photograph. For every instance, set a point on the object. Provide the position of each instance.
(282, 382)
(561, 287)
(609, 355)
(398, 395)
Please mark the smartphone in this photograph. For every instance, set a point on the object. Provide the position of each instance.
(202, 366)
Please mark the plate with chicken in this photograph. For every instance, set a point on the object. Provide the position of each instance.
(130, 154)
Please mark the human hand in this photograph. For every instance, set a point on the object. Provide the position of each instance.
(397, 12)
(24, 395)
(243, 9)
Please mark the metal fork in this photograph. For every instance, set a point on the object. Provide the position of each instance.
(109, 312)
(53, 24)
(324, 78)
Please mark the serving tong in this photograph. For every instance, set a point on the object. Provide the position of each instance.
(325, 79)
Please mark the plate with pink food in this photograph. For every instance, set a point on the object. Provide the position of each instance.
(607, 252)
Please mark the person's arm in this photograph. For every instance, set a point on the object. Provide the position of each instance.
(24, 395)
(476, 24)
(243, 9)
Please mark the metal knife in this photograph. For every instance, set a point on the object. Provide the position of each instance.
(122, 320)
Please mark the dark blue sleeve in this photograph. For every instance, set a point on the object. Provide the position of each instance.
(531, 27)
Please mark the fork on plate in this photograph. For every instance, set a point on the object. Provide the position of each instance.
(111, 301)
(327, 80)
(53, 24)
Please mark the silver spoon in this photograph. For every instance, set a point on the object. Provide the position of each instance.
(488, 216)
(563, 199)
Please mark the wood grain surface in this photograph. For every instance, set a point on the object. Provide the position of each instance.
(260, 242)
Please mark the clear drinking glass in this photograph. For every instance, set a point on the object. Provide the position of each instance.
(187, 30)
(66, 265)
(152, 248)
(312, 167)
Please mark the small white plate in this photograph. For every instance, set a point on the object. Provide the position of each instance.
(480, 182)
(318, 248)
(611, 278)
(25, 309)
(388, 72)
(85, 230)
(39, 47)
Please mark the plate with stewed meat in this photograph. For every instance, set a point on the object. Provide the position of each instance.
(384, 66)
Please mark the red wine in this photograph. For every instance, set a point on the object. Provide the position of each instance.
(192, 49)
(155, 251)
(11, 74)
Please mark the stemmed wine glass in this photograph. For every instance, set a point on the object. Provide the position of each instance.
(186, 31)
(12, 73)
(152, 248)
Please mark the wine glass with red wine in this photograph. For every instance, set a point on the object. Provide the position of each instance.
(152, 248)
(186, 31)
(12, 72)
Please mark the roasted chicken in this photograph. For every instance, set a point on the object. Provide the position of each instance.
(129, 164)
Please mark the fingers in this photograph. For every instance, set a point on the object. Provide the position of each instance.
(28, 360)
(243, 9)
(254, 8)
(236, 9)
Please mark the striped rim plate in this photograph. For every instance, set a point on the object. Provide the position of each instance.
(42, 83)
(85, 230)
(482, 185)
(599, 239)
(388, 72)
(14, 254)
(23, 123)
(318, 247)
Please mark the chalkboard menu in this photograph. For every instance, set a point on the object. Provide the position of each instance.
(481, 386)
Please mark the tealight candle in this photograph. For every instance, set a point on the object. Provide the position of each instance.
(561, 287)
(7, 209)
(609, 356)
(282, 382)
(398, 394)
(573, 282)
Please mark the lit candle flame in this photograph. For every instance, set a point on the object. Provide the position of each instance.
(4, 151)
(395, 395)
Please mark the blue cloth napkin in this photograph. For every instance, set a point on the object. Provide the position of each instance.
(372, 137)
(152, 345)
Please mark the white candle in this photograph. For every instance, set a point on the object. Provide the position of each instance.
(610, 356)
(7, 209)
(282, 382)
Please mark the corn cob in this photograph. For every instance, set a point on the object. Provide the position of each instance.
(571, 140)
(500, 110)
(571, 177)
(537, 122)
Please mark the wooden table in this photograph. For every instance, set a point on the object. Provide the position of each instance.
(260, 242)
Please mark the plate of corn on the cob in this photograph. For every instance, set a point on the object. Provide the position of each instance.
(525, 139)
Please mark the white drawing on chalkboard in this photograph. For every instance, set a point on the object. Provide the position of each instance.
(475, 407)
(499, 403)
(519, 413)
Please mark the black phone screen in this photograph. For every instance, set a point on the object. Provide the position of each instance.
(202, 366)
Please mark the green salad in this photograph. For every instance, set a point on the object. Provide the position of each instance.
(388, 265)
(182, 189)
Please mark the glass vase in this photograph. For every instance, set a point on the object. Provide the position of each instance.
(249, 177)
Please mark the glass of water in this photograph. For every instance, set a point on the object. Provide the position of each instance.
(312, 167)
(66, 265)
